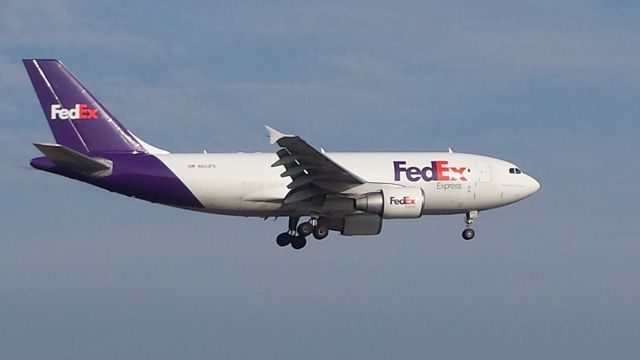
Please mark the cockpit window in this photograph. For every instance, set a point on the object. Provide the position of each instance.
(514, 171)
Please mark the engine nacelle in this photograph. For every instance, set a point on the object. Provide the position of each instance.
(393, 203)
(360, 224)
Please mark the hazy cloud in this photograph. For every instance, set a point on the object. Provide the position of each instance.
(60, 24)
(445, 36)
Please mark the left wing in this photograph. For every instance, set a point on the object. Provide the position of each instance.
(311, 171)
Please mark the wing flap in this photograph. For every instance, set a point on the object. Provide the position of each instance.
(302, 194)
(292, 160)
(298, 170)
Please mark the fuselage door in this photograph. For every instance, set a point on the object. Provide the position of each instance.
(484, 174)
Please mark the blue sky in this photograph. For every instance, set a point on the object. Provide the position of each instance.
(551, 85)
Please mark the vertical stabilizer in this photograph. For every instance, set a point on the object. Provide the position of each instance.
(77, 120)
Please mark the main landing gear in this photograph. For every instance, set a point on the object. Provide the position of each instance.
(296, 236)
(468, 232)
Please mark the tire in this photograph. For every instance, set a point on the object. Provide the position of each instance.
(468, 234)
(305, 229)
(298, 242)
(320, 232)
(283, 239)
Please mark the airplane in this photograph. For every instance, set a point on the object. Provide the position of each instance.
(349, 193)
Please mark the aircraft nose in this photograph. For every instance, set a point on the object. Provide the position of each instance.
(533, 185)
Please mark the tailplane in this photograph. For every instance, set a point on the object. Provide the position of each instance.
(62, 156)
(78, 121)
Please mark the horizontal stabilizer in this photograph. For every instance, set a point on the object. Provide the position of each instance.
(73, 160)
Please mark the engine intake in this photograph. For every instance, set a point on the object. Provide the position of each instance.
(393, 203)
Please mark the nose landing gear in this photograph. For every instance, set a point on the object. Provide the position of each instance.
(468, 232)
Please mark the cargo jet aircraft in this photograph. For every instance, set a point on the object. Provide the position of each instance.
(350, 193)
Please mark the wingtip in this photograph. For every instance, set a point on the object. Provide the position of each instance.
(274, 135)
(41, 146)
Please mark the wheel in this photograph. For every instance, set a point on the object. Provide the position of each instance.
(305, 229)
(298, 242)
(468, 234)
(283, 239)
(320, 232)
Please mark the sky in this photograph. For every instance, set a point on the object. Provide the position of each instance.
(553, 86)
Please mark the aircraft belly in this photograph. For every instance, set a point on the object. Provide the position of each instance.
(446, 200)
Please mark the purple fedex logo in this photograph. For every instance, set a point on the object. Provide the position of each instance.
(436, 171)
(405, 200)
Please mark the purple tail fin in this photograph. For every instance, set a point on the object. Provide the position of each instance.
(76, 118)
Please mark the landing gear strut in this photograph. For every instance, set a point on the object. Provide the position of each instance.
(319, 228)
(296, 235)
(468, 232)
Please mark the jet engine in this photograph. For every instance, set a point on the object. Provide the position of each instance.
(393, 203)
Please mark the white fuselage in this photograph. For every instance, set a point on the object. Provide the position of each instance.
(246, 184)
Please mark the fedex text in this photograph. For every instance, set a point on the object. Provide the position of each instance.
(405, 200)
(78, 112)
(435, 171)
